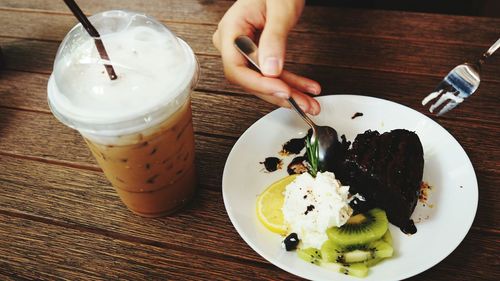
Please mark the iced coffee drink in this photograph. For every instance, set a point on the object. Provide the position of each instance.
(139, 126)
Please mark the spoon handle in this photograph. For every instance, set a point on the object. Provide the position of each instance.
(302, 114)
(493, 48)
(249, 50)
(490, 51)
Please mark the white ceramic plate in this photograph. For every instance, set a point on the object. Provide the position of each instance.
(453, 197)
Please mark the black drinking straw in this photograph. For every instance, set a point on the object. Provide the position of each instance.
(94, 34)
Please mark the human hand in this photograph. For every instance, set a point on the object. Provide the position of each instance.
(268, 23)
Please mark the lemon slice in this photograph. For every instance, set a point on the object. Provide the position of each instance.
(269, 204)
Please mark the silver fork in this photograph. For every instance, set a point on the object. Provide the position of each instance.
(459, 84)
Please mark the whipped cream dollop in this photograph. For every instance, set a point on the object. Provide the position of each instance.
(312, 205)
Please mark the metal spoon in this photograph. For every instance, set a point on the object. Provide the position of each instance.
(325, 135)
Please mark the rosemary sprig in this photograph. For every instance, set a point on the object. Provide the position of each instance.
(312, 151)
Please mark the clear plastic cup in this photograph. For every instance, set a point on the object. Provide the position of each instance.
(138, 127)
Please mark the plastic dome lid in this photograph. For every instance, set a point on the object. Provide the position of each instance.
(155, 71)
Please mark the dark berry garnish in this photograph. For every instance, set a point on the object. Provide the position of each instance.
(291, 242)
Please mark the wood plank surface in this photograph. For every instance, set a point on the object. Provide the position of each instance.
(61, 220)
(229, 122)
(333, 49)
(83, 210)
(42, 137)
(81, 198)
(83, 255)
(403, 88)
(316, 19)
(16, 129)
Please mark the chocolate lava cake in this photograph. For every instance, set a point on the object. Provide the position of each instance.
(386, 169)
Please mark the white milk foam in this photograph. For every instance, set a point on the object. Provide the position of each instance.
(154, 71)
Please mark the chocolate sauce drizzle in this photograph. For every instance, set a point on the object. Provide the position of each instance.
(293, 146)
(356, 115)
(272, 164)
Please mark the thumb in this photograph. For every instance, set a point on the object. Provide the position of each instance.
(281, 16)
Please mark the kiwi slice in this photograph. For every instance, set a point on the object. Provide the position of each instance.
(332, 252)
(356, 256)
(387, 237)
(381, 249)
(356, 269)
(372, 262)
(311, 255)
(360, 229)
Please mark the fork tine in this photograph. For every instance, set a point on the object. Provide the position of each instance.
(449, 106)
(452, 98)
(432, 96)
(444, 97)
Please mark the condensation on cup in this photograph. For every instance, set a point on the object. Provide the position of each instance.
(138, 127)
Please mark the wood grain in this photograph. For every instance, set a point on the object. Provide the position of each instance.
(211, 117)
(97, 212)
(10, 276)
(464, 262)
(60, 219)
(402, 88)
(370, 23)
(16, 129)
(42, 137)
(381, 54)
(36, 250)
(79, 198)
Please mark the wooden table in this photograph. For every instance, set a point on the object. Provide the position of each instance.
(61, 219)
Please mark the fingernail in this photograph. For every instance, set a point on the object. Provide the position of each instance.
(312, 90)
(317, 109)
(314, 111)
(303, 107)
(271, 66)
(281, 95)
